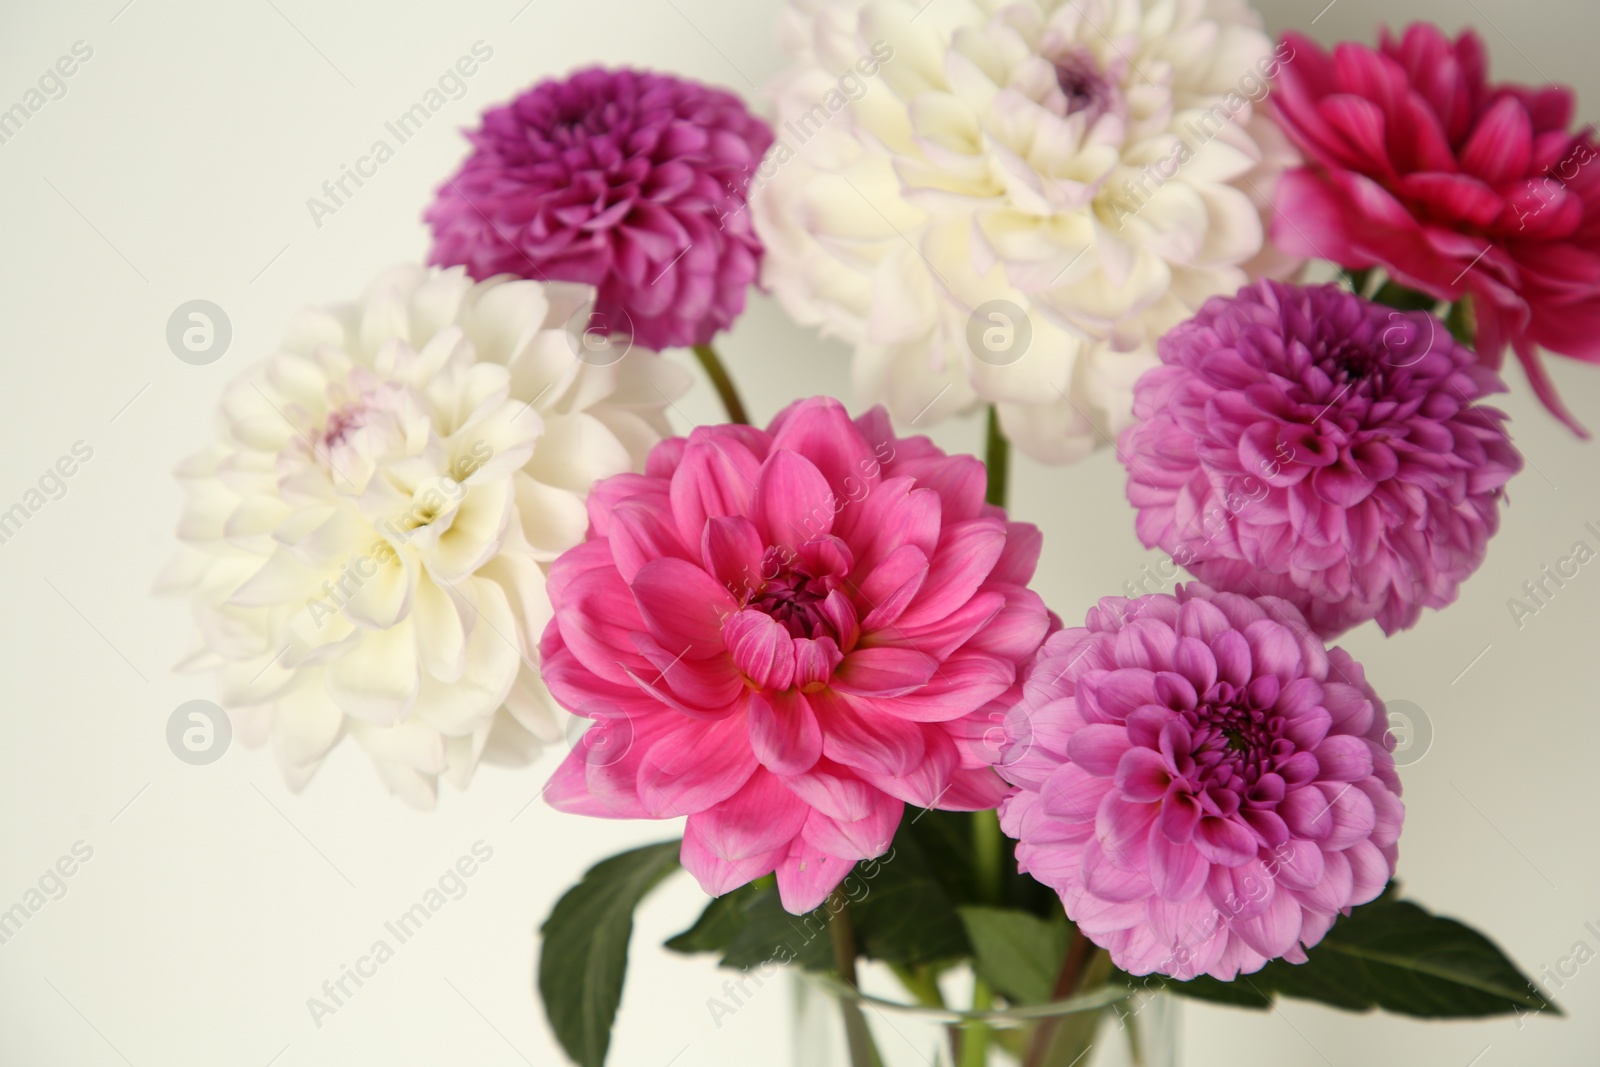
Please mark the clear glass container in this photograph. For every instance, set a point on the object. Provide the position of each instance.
(1108, 1026)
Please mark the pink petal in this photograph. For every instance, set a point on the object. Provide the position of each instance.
(641, 533)
(963, 684)
(1176, 871)
(1098, 747)
(815, 660)
(793, 503)
(762, 817)
(761, 649)
(966, 554)
(784, 732)
(683, 607)
(861, 839)
(717, 476)
(731, 550)
(716, 873)
(833, 790)
(694, 765)
(873, 743)
(1224, 841)
(884, 672)
(820, 430)
(808, 875)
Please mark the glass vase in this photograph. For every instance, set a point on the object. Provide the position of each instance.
(1108, 1026)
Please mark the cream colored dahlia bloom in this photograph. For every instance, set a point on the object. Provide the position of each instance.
(1008, 201)
(365, 545)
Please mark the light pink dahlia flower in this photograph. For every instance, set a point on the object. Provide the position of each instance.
(1204, 785)
(786, 636)
(1455, 185)
(629, 181)
(1309, 444)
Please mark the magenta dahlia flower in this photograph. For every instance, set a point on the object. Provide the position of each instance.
(1415, 162)
(1308, 444)
(631, 182)
(1204, 784)
(787, 636)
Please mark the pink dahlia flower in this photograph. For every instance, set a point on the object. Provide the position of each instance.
(631, 182)
(787, 636)
(1309, 444)
(1415, 162)
(1204, 785)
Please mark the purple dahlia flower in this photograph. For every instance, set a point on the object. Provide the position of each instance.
(1308, 444)
(1204, 784)
(632, 182)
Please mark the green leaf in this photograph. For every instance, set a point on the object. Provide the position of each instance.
(1462, 322)
(1393, 954)
(768, 934)
(1395, 295)
(584, 956)
(900, 908)
(748, 927)
(717, 926)
(1018, 954)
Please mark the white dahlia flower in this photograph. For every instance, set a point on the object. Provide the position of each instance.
(1008, 201)
(365, 545)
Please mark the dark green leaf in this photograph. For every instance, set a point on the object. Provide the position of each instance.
(584, 956)
(1238, 993)
(946, 841)
(1394, 955)
(1398, 296)
(772, 934)
(714, 931)
(1462, 322)
(901, 910)
(1018, 954)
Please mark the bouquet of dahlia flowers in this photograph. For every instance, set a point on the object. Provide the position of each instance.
(449, 514)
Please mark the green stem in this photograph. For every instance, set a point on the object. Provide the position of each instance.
(975, 1038)
(997, 459)
(921, 982)
(724, 384)
(857, 1037)
(989, 857)
(1080, 952)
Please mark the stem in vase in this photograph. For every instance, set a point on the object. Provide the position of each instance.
(723, 383)
(997, 460)
(857, 1037)
(1080, 955)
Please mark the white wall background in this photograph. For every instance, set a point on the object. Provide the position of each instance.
(177, 166)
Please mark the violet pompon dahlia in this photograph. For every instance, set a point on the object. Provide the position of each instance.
(1416, 162)
(786, 636)
(1204, 784)
(629, 181)
(1309, 444)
